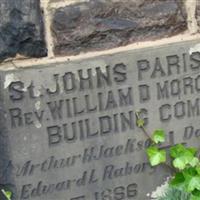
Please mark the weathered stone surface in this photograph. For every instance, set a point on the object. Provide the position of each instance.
(198, 12)
(73, 128)
(21, 29)
(96, 25)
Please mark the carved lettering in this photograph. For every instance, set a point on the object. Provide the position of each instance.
(16, 91)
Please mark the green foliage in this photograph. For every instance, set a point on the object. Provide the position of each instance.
(183, 156)
(158, 136)
(183, 160)
(156, 156)
(140, 123)
(195, 195)
(7, 194)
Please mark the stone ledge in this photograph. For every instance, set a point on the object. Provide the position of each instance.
(16, 63)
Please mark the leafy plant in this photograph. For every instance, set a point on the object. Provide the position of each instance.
(184, 162)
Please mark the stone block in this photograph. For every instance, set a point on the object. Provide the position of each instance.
(100, 24)
(21, 29)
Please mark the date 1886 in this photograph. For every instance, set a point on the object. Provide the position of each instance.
(118, 193)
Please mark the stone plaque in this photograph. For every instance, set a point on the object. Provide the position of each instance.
(68, 129)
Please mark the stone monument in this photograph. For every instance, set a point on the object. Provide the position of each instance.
(68, 129)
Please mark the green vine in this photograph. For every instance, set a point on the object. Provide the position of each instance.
(184, 161)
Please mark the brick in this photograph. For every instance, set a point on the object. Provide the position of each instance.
(98, 25)
(21, 29)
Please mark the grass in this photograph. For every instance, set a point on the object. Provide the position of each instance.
(174, 194)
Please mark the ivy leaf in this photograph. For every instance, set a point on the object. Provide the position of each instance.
(193, 183)
(191, 171)
(180, 163)
(195, 195)
(7, 194)
(158, 136)
(192, 150)
(140, 123)
(177, 150)
(183, 156)
(156, 156)
(194, 162)
(192, 179)
(198, 170)
(178, 180)
(184, 159)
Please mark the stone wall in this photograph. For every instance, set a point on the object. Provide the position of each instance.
(58, 28)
